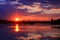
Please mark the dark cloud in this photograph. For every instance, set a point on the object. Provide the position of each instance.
(31, 1)
(54, 2)
(42, 1)
(9, 0)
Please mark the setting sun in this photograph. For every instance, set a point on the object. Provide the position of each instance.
(17, 19)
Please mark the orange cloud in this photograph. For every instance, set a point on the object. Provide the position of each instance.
(35, 7)
(52, 11)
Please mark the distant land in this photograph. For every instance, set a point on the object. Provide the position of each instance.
(52, 22)
(55, 21)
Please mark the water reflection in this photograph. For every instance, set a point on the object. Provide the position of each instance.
(28, 32)
(17, 28)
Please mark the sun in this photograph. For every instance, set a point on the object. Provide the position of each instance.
(17, 19)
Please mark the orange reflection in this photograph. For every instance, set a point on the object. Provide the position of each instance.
(17, 28)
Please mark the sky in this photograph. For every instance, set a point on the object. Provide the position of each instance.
(2, 0)
(30, 9)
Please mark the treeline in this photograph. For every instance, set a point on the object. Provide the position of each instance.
(30, 22)
(55, 21)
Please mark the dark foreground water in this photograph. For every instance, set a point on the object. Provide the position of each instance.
(29, 32)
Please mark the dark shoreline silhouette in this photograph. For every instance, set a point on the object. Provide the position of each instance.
(24, 22)
(55, 22)
(52, 22)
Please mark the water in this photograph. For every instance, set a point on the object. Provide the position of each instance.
(28, 32)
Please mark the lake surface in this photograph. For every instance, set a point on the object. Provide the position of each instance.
(28, 32)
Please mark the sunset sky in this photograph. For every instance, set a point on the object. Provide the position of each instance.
(36, 10)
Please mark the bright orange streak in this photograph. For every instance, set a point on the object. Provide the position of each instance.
(17, 28)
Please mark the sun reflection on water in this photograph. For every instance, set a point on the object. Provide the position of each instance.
(17, 28)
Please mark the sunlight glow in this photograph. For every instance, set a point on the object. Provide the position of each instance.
(17, 19)
(17, 28)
